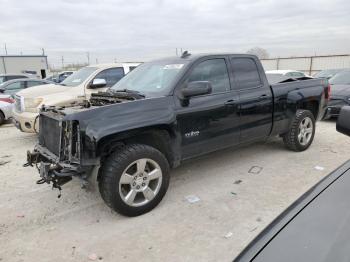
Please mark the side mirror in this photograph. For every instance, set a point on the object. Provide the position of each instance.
(98, 83)
(196, 88)
(343, 123)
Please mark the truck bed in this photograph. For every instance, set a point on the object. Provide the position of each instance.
(297, 90)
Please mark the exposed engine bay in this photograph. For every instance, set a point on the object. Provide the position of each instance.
(113, 97)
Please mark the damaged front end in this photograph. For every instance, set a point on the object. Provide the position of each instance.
(57, 155)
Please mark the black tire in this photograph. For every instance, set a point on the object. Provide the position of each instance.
(2, 118)
(291, 138)
(112, 169)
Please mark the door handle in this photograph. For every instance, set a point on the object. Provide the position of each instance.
(262, 97)
(230, 102)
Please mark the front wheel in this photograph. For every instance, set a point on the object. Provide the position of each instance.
(134, 179)
(302, 131)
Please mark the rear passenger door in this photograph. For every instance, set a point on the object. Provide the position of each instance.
(255, 98)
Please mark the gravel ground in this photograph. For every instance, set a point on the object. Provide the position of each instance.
(234, 205)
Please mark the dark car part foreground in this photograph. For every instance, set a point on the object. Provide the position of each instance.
(165, 112)
(316, 227)
(340, 97)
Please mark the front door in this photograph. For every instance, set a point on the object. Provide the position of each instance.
(209, 122)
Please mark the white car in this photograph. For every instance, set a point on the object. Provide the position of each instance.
(291, 73)
(277, 76)
(6, 106)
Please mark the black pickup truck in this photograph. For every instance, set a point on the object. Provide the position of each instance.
(165, 112)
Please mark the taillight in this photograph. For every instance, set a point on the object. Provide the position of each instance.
(7, 100)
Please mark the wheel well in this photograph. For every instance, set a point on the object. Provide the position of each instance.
(160, 138)
(312, 106)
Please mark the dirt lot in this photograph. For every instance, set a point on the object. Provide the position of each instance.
(37, 226)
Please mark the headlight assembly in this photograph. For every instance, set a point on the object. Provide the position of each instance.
(32, 102)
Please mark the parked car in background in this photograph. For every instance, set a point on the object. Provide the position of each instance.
(7, 77)
(58, 78)
(11, 87)
(278, 76)
(167, 111)
(6, 106)
(329, 73)
(75, 88)
(314, 228)
(289, 73)
(340, 95)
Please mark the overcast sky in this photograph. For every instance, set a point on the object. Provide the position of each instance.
(142, 30)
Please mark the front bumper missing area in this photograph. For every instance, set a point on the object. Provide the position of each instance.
(51, 172)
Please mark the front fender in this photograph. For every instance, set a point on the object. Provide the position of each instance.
(130, 116)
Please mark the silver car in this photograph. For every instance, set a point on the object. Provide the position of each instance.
(11, 87)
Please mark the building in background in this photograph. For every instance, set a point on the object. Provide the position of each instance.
(307, 64)
(24, 64)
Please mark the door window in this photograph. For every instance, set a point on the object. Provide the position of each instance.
(34, 83)
(112, 75)
(14, 86)
(246, 73)
(213, 71)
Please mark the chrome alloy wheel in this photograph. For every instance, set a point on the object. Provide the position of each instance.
(140, 182)
(306, 128)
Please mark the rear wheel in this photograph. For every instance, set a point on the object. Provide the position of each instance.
(302, 131)
(134, 179)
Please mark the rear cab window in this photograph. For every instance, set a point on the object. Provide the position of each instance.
(245, 72)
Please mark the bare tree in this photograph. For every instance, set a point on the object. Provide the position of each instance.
(261, 53)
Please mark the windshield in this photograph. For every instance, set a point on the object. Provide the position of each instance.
(79, 77)
(327, 73)
(342, 78)
(151, 79)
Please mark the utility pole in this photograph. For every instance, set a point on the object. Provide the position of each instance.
(96, 61)
(88, 57)
(62, 59)
(43, 50)
(176, 52)
(5, 49)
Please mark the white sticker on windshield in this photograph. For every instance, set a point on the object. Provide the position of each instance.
(173, 66)
(76, 81)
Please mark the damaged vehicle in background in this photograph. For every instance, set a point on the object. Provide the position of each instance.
(329, 73)
(340, 84)
(165, 112)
